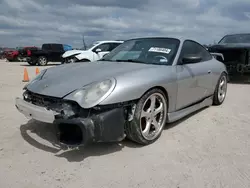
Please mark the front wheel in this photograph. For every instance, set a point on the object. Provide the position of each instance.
(220, 90)
(32, 63)
(149, 118)
(42, 61)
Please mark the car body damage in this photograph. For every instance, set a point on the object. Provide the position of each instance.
(75, 125)
(236, 52)
(131, 92)
(93, 53)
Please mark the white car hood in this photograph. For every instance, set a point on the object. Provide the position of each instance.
(72, 52)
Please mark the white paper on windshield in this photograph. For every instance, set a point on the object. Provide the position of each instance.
(160, 50)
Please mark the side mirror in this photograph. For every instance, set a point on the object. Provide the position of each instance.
(98, 50)
(191, 59)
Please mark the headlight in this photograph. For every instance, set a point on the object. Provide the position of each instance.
(38, 77)
(93, 94)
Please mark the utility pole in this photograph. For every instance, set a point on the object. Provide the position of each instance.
(83, 41)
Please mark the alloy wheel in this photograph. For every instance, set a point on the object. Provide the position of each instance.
(222, 88)
(153, 116)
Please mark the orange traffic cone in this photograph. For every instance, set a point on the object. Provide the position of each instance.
(37, 71)
(25, 76)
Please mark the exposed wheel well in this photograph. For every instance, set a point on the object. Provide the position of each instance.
(163, 90)
(84, 60)
(226, 75)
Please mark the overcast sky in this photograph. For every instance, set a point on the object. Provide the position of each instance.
(33, 22)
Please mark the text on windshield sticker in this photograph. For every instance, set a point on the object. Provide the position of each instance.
(160, 50)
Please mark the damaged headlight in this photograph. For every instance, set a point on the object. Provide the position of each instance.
(37, 78)
(93, 94)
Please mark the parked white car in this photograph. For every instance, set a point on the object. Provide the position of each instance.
(93, 53)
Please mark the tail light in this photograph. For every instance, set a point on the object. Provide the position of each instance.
(28, 52)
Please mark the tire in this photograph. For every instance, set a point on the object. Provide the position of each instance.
(220, 90)
(42, 60)
(32, 63)
(135, 129)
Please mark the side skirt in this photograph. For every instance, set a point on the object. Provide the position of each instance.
(177, 115)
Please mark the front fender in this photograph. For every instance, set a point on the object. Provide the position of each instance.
(82, 56)
(132, 87)
(71, 53)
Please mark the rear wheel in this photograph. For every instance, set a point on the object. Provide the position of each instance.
(149, 118)
(221, 90)
(42, 61)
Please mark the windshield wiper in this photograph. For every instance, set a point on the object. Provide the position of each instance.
(130, 60)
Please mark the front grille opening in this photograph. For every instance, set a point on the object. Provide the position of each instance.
(41, 100)
(70, 134)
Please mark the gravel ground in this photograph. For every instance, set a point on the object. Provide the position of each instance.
(207, 149)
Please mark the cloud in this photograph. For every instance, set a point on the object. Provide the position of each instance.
(30, 22)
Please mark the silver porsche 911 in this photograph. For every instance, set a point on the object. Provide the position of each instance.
(131, 92)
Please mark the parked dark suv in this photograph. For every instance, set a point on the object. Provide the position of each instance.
(50, 52)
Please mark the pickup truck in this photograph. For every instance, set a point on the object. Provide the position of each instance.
(235, 49)
(50, 52)
(20, 54)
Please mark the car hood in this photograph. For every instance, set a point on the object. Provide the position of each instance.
(72, 52)
(230, 46)
(63, 79)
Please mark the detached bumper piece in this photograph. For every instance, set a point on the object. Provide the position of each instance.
(98, 126)
(106, 126)
(35, 112)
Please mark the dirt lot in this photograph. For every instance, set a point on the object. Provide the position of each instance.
(208, 149)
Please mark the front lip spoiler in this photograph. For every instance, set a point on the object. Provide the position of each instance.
(35, 112)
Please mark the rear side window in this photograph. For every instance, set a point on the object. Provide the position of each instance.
(46, 47)
(57, 47)
(193, 48)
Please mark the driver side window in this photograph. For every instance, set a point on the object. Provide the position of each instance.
(104, 47)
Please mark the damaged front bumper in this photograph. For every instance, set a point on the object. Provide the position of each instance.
(101, 126)
(35, 112)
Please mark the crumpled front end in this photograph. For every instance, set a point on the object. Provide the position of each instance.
(70, 56)
(75, 125)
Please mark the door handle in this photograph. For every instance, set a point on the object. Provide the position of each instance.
(209, 72)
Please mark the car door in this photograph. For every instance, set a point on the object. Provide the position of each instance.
(47, 48)
(57, 51)
(101, 50)
(205, 70)
(193, 79)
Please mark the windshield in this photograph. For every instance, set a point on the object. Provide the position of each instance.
(238, 38)
(148, 50)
